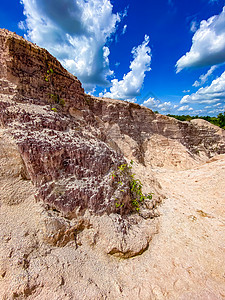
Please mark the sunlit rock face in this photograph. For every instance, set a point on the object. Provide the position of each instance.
(44, 106)
(34, 75)
(68, 227)
(156, 139)
(71, 142)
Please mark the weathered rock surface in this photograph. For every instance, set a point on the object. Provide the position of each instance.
(155, 139)
(67, 224)
(34, 75)
(65, 156)
(184, 260)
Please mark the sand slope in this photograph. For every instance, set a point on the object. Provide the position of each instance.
(185, 259)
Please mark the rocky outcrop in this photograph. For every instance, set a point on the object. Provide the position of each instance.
(69, 215)
(66, 160)
(72, 144)
(156, 139)
(32, 74)
(46, 256)
(65, 156)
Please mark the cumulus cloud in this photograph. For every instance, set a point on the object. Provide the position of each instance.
(151, 103)
(76, 32)
(217, 110)
(210, 94)
(22, 25)
(217, 104)
(203, 78)
(185, 108)
(156, 104)
(208, 44)
(165, 107)
(129, 87)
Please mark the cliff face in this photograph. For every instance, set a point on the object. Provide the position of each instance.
(71, 143)
(65, 155)
(71, 152)
(33, 75)
(156, 139)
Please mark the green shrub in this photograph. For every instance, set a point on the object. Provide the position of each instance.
(218, 121)
(124, 178)
(55, 99)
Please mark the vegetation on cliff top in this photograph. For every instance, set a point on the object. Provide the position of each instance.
(218, 121)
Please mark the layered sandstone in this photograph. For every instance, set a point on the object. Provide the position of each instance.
(68, 226)
(32, 74)
(156, 139)
(66, 157)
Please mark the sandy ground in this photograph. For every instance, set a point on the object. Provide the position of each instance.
(185, 259)
(189, 251)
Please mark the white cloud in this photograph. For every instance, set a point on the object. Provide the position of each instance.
(208, 44)
(22, 25)
(203, 78)
(217, 110)
(151, 103)
(199, 112)
(217, 104)
(76, 32)
(129, 87)
(185, 108)
(124, 29)
(165, 106)
(155, 104)
(186, 91)
(210, 94)
(194, 26)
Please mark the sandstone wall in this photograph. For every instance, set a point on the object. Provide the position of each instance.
(71, 143)
(136, 128)
(35, 75)
(66, 156)
(61, 231)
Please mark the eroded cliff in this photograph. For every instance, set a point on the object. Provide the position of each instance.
(66, 185)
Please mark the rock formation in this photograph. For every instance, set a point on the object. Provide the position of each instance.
(65, 154)
(67, 190)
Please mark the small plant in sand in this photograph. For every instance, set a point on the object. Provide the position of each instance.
(125, 180)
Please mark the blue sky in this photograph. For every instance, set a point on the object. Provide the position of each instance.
(168, 55)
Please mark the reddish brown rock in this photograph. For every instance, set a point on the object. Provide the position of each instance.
(34, 75)
(71, 142)
(69, 154)
(66, 157)
(123, 119)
